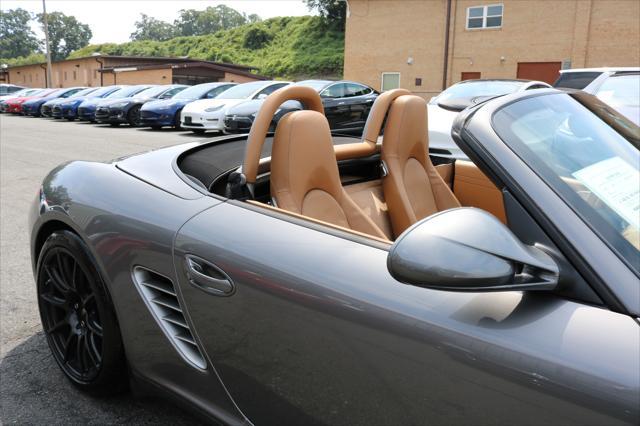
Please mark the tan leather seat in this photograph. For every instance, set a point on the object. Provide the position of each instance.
(304, 174)
(413, 189)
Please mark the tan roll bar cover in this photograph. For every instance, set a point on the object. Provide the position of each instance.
(308, 96)
(371, 128)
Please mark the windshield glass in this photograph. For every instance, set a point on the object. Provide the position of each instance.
(101, 91)
(623, 93)
(242, 91)
(588, 154)
(479, 88)
(195, 92)
(84, 92)
(127, 92)
(152, 92)
(314, 84)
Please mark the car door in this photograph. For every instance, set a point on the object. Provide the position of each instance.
(336, 108)
(359, 100)
(305, 325)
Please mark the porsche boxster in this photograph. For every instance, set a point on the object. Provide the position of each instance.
(296, 279)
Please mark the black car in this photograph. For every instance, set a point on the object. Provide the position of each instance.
(127, 110)
(346, 106)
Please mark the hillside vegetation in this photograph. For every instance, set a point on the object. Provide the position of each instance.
(285, 47)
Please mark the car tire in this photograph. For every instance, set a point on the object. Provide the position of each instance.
(176, 120)
(198, 131)
(133, 116)
(156, 127)
(78, 318)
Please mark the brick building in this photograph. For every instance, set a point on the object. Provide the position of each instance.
(104, 70)
(427, 45)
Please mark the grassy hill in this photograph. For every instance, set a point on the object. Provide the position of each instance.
(286, 47)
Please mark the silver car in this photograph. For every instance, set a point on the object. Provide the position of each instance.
(300, 280)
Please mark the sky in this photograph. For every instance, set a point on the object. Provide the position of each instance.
(113, 21)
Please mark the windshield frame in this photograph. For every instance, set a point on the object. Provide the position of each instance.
(600, 227)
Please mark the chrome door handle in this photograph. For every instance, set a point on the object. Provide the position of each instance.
(208, 277)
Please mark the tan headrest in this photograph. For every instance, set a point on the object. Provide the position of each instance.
(406, 133)
(371, 128)
(308, 96)
(302, 159)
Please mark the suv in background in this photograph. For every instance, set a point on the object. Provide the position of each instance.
(585, 78)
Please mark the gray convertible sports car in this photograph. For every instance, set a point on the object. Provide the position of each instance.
(295, 279)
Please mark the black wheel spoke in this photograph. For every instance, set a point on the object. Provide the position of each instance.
(88, 299)
(54, 301)
(57, 326)
(94, 327)
(57, 281)
(80, 353)
(91, 350)
(67, 347)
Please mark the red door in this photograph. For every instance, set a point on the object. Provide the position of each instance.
(541, 71)
(469, 76)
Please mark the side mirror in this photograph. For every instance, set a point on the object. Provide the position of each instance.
(262, 96)
(468, 249)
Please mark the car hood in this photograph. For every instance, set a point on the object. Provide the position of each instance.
(55, 101)
(110, 102)
(201, 105)
(251, 107)
(166, 103)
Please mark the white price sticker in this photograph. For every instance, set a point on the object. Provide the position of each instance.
(617, 184)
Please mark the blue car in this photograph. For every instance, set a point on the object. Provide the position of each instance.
(87, 109)
(34, 106)
(68, 108)
(166, 112)
(127, 110)
(47, 107)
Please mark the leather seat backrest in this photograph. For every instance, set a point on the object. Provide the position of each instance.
(304, 174)
(413, 189)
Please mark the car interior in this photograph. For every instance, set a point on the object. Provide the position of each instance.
(376, 186)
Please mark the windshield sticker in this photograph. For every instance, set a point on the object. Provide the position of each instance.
(616, 183)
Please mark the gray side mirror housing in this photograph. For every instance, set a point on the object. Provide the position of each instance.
(468, 249)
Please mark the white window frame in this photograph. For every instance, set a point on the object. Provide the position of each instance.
(485, 9)
(390, 73)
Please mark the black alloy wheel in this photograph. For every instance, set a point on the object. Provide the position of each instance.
(79, 324)
(133, 117)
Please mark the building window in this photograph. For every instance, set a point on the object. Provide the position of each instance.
(65, 75)
(74, 75)
(489, 16)
(390, 80)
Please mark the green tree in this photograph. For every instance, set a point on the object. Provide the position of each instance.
(150, 28)
(66, 34)
(208, 21)
(333, 11)
(253, 18)
(16, 37)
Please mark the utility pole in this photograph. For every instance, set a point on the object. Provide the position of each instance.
(46, 41)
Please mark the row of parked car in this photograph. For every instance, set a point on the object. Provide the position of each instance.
(222, 107)
(231, 108)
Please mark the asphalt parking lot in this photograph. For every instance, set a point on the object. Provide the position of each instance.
(32, 388)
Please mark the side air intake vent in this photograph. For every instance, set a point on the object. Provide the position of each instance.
(160, 297)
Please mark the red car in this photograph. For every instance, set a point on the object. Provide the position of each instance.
(15, 105)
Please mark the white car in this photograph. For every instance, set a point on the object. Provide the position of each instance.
(618, 87)
(588, 79)
(444, 108)
(208, 114)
